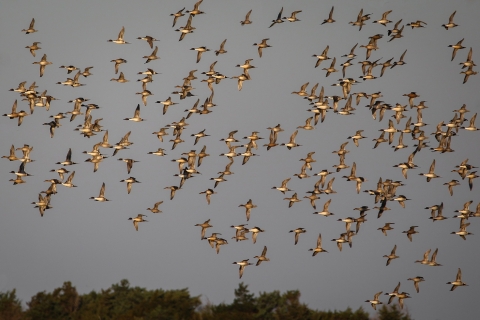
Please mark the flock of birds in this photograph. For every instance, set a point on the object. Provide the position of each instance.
(387, 190)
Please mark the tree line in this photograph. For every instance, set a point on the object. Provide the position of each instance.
(123, 302)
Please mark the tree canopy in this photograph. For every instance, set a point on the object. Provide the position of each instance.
(121, 301)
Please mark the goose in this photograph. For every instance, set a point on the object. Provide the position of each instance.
(384, 19)
(68, 183)
(425, 258)
(172, 189)
(401, 296)
(401, 200)
(12, 156)
(121, 78)
(203, 154)
(241, 78)
(458, 281)
(386, 227)
(292, 200)
(283, 188)
(160, 152)
(129, 163)
(137, 219)
(392, 255)
(439, 215)
(456, 47)
(325, 211)
(69, 68)
(166, 104)
(340, 241)
(463, 230)
(43, 63)
(262, 257)
(416, 281)
(372, 45)
(129, 182)
(432, 261)
(329, 188)
(199, 135)
(30, 28)
(162, 132)
(120, 39)
(431, 173)
(303, 92)
(375, 300)
(34, 47)
(196, 9)
(345, 65)
(262, 45)
(331, 68)
(17, 180)
(14, 114)
(177, 15)
(248, 153)
(21, 87)
(242, 265)
(240, 228)
(400, 62)
(21, 171)
(471, 176)
(200, 50)
(219, 242)
(208, 193)
(187, 29)
(330, 17)
(148, 72)
(118, 62)
(247, 19)
(292, 144)
(395, 29)
(255, 231)
(248, 208)
(278, 20)
(86, 72)
(293, 17)
(222, 48)
(318, 248)
(360, 20)
(417, 24)
(42, 204)
(450, 23)
(240, 236)
(212, 239)
(101, 196)
(469, 62)
(468, 73)
(322, 57)
(307, 125)
(393, 294)
(136, 116)
(451, 184)
(149, 40)
(204, 226)
(297, 232)
(68, 160)
(410, 232)
(152, 56)
(155, 207)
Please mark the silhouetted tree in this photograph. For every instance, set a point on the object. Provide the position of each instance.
(10, 306)
(392, 313)
(122, 302)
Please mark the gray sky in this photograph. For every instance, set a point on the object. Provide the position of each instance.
(93, 244)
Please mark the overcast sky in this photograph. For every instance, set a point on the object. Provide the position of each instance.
(93, 244)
